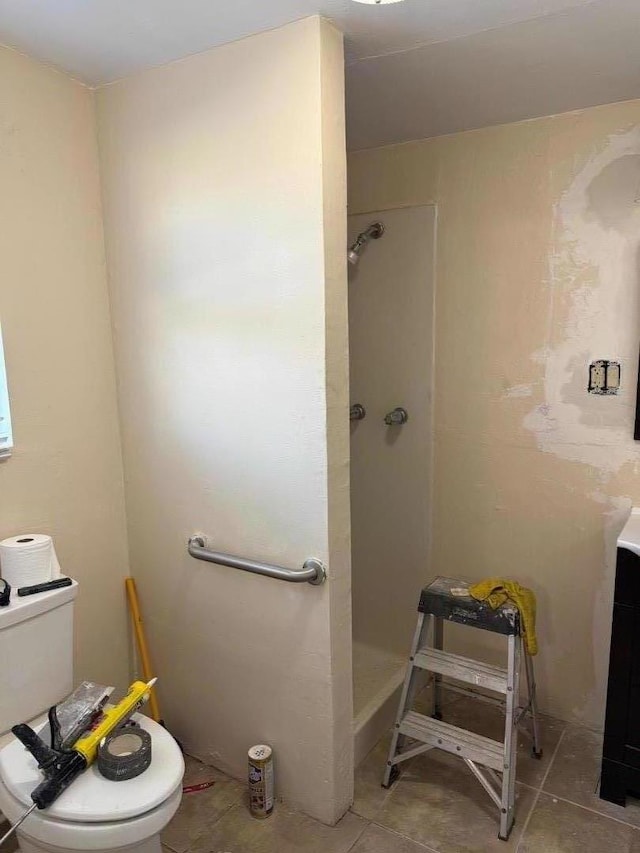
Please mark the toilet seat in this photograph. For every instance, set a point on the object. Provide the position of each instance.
(91, 798)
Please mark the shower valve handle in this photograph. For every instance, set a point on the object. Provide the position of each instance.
(397, 417)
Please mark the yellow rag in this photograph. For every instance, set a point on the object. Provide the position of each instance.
(495, 591)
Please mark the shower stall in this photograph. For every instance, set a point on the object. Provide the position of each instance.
(391, 313)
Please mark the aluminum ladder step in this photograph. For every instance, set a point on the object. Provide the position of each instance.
(460, 742)
(462, 669)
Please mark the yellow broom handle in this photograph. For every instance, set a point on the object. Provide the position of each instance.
(143, 651)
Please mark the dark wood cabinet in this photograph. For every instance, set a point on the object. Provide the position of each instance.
(621, 750)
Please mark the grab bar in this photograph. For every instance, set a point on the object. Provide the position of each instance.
(313, 571)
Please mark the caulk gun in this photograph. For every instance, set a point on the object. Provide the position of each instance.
(61, 767)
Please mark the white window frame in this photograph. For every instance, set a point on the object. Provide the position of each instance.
(6, 435)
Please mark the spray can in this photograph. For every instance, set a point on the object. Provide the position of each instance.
(261, 780)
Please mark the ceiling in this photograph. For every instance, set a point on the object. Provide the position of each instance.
(414, 69)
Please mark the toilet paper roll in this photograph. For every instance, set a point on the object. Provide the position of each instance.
(28, 559)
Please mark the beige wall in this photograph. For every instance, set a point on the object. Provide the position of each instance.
(537, 274)
(65, 474)
(224, 187)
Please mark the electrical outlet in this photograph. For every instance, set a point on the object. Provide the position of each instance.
(604, 377)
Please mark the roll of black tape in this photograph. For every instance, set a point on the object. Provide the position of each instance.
(124, 754)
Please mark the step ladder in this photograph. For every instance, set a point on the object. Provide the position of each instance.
(493, 763)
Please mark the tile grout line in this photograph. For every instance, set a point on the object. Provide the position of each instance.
(383, 803)
(553, 758)
(404, 837)
(588, 809)
(539, 791)
(572, 802)
(360, 834)
(224, 813)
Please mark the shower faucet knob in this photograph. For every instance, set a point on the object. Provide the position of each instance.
(357, 412)
(397, 417)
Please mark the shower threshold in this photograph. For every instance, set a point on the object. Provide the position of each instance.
(377, 679)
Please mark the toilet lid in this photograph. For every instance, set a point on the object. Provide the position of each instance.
(91, 798)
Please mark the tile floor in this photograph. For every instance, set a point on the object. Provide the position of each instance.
(436, 806)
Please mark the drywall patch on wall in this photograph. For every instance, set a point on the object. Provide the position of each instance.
(593, 313)
(594, 278)
(518, 391)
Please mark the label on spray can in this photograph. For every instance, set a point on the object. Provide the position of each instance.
(261, 780)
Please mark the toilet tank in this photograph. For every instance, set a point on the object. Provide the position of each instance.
(36, 654)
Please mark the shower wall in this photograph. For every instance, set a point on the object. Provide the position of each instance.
(391, 296)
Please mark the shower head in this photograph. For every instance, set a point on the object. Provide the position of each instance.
(373, 232)
(353, 256)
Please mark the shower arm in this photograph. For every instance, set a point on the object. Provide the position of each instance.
(313, 571)
(372, 232)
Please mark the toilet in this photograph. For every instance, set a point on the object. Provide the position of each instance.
(93, 814)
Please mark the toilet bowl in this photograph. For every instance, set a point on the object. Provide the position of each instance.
(95, 814)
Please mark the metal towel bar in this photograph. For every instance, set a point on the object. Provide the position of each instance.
(313, 571)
